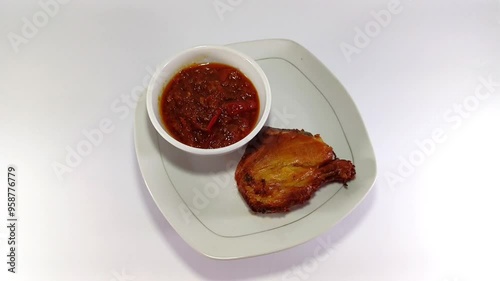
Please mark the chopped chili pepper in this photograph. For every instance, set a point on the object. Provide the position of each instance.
(234, 108)
(214, 119)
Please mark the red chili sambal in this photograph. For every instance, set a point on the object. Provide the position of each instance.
(209, 106)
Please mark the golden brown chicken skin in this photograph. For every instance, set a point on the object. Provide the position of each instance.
(283, 168)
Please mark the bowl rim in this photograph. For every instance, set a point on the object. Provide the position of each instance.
(207, 151)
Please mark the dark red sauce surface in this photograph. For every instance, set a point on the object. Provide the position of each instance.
(209, 106)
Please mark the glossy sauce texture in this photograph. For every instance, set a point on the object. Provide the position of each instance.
(209, 106)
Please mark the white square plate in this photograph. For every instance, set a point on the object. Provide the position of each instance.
(198, 195)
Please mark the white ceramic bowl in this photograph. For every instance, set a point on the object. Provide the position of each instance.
(207, 54)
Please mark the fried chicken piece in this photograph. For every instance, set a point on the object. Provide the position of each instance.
(283, 168)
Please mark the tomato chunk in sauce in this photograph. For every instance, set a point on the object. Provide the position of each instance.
(209, 106)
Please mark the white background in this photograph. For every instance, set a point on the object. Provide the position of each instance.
(439, 222)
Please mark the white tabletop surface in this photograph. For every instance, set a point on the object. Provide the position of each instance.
(419, 79)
